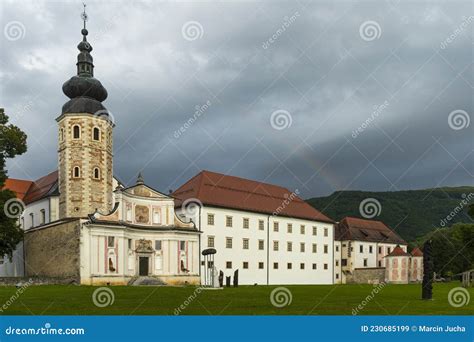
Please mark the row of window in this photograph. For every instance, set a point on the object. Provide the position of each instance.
(261, 265)
(261, 245)
(76, 172)
(42, 217)
(158, 244)
(261, 225)
(76, 133)
(371, 250)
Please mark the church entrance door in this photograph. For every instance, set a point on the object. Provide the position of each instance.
(143, 266)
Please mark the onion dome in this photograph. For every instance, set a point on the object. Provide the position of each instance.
(85, 91)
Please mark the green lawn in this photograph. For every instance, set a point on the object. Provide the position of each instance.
(245, 300)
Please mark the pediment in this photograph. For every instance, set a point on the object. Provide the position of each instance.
(142, 190)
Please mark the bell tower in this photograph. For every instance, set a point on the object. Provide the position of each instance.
(85, 141)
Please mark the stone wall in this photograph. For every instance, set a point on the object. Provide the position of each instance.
(53, 251)
(373, 275)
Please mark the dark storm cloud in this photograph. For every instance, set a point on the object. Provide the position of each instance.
(365, 113)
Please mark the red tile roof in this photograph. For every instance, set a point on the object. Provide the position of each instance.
(219, 190)
(417, 252)
(398, 251)
(36, 190)
(18, 186)
(352, 228)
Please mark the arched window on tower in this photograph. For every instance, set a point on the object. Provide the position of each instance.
(76, 131)
(61, 134)
(96, 134)
(76, 173)
(96, 173)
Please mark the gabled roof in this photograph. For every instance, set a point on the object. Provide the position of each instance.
(31, 191)
(397, 251)
(43, 187)
(352, 228)
(219, 190)
(416, 252)
(18, 186)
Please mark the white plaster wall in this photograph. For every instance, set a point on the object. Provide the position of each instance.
(237, 255)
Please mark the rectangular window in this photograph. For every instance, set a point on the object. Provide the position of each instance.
(261, 225)
(337, 275)
(129, 243)
(260, 245)
(326, 248)
(245, 243)
(325, 232)
(43, 216)
(337, 262)
(344, 262)
(289, 265)
(110, 241)
(302, 266)
(32, 220)
(228, 264)
(361, 249)
(302, 247)
(315, 231)
(210, 219)
(228, 242)
(245, 265)
(182, 245)
(210, 241)
(388, 250)
(380, 250)
(245, 223)
(275, 246)
(337, 248)
(289, 228)
(315, 248)
(157, 245)
(325, 266)
(365, 262)
(302, 229)
(315, 266)
(370, 249)
(275, 226)
(275, 265)
(380, 263)
(260, 265)
(289, 246)
(228, 221)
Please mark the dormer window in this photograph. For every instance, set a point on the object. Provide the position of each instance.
(76, 132)
(96, 134)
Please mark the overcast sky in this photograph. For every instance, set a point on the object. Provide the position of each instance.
(314, 96)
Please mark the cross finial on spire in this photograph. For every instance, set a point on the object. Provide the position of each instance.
(84, 15)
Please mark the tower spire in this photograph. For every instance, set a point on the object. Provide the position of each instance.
(84, 15)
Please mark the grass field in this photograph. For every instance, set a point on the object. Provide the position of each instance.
(245, 300)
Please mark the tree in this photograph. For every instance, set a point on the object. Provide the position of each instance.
(471, 210)
(12, 143)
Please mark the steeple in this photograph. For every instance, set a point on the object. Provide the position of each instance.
(85, 91)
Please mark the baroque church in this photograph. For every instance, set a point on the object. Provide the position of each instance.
(82, 224)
